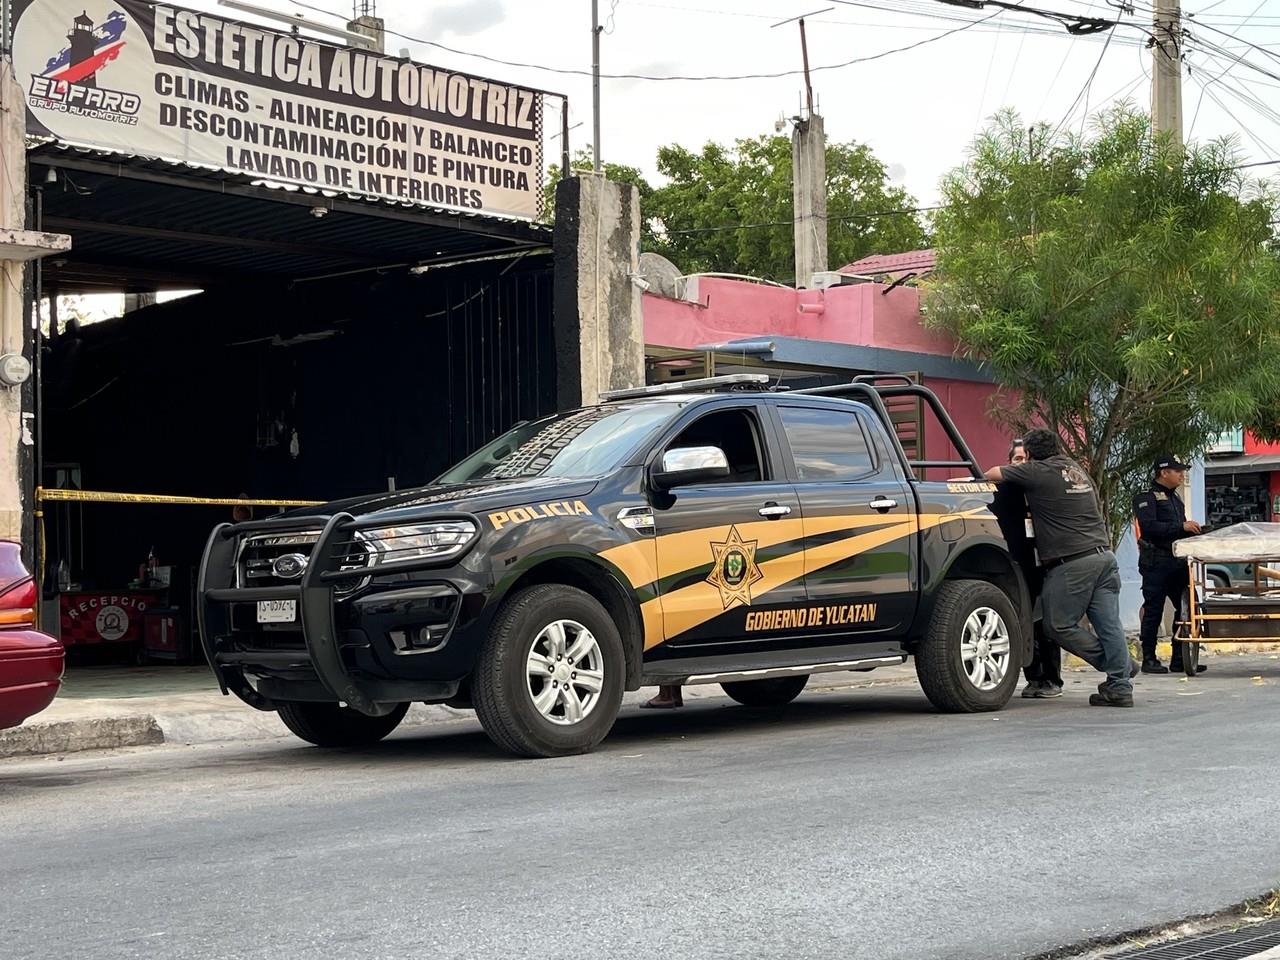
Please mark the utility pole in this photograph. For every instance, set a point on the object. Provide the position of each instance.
(1166, 69)
(366, 22)
(595, 84)
(808, 177)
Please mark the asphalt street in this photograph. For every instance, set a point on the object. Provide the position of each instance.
(856, 824)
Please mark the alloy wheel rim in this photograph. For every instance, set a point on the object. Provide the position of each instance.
(985, 648)
(565, 672)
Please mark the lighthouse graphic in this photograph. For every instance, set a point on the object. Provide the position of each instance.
(88, 50)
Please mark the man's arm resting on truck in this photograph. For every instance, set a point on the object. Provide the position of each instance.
(995, 475)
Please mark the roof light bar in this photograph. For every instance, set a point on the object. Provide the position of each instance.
(702, 385)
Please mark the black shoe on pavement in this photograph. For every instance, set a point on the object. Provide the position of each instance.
(1032, 690)
(1178, 668)
(1154, 666)
(1108, 698)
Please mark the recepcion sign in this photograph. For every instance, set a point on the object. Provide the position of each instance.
(177, 84)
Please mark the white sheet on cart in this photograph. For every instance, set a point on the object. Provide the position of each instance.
(1238, 543)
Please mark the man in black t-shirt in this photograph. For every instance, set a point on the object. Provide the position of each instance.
(1082, 578)
(1044, 672)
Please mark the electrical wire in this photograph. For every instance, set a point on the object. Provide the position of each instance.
(1225, 109)
(1203, 44)
(1088, 84)
(571, 71)
(1088, 87)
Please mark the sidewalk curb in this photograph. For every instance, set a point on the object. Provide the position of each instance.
(73, 736)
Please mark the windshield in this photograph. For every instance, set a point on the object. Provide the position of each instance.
(578, 444)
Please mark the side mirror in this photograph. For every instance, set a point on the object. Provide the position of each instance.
(686, 465)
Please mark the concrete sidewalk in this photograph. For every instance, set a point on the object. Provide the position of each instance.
(107, 708)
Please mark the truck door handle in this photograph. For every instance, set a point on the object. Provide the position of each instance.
(772, 511)
(882, 504)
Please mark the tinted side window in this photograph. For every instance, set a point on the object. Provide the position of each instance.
(827, 444)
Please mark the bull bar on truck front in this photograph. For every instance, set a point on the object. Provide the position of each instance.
(314, 594)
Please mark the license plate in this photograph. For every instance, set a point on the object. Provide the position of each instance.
(277, 611)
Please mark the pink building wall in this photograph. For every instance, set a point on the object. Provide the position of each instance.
(860, 314)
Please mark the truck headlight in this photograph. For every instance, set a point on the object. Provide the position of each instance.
(419, 541)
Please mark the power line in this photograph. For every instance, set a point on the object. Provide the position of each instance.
(788, 223)
(1084, 91)
(571, 71)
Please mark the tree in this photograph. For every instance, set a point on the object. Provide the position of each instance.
(729, 209)
(1119, 287)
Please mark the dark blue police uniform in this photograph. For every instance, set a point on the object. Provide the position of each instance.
(1161, 515)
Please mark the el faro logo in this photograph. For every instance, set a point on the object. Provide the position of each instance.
(69, 81)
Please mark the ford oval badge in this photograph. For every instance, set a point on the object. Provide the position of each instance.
(289, 566)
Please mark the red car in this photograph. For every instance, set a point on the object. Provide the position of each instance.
(30, 662)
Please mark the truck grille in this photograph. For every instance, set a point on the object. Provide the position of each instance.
(257, 563)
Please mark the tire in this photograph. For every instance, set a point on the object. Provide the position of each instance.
(515, 706)
(332, 725)
(774, 692)
(1190, 651)
(940, 663)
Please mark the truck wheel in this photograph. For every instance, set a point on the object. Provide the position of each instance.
(332, 725)
(969, 658)
(774, 692)
(550, 676)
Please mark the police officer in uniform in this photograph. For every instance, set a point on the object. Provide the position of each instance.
(1162, 519)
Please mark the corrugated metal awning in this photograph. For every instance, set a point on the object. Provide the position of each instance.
(139, 223)
(1249, 463)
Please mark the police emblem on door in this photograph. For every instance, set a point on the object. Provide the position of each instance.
(734, 570)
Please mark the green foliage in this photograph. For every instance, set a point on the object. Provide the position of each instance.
(1120, 288)
(749, 185)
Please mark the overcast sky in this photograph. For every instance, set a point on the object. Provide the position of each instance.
(918, 109)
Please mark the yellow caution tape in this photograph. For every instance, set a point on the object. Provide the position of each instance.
(99, 496)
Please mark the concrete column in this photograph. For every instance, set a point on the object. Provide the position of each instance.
(372, 27)
(599, 330)
(18, 246)
(809, 197)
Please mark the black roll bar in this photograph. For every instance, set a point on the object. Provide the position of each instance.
(865, 388)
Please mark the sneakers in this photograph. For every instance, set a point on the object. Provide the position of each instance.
(1041, 690)
(1154, 666)
(1110, 698)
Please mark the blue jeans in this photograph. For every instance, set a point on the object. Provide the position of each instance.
(1089, 587)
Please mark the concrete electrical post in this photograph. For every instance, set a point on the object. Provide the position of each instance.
(18, 246)
(808, 177)
(809, 195)
(1166, 69)
(367, 23)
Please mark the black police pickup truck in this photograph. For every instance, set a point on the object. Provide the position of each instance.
(708, 532)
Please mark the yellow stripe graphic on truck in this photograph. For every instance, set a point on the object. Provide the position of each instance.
(644, 562)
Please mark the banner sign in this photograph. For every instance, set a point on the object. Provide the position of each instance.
(177, 84)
